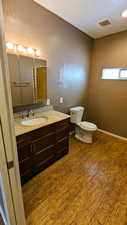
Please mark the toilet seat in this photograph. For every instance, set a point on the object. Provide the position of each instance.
(87, 126)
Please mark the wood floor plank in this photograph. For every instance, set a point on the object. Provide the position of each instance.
(86, 187)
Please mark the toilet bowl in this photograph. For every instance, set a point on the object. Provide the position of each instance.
(84, 130)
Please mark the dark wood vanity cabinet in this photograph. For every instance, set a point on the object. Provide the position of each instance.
(41, 147)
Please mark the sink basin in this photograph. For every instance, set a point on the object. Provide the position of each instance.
(33, 122)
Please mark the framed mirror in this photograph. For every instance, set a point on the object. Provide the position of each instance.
(28, 77)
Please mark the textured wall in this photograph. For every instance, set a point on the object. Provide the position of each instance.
(108, 98)
(66, 49)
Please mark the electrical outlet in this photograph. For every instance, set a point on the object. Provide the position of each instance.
(48, 101)
(61, 100)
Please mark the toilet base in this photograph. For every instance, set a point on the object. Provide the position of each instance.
(84, 136)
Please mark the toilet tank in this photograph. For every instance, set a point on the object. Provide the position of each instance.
(76, 114)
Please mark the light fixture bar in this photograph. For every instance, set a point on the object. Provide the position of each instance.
(22, 49)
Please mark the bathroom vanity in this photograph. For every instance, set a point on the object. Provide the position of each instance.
(40, 146)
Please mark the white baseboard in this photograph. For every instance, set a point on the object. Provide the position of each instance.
(111, 134)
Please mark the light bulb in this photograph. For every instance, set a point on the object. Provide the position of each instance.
(37, 53)
(30, 51)
(124, 13)
(10, 45)
(21, 48)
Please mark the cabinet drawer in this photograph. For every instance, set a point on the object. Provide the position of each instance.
(62, 133)
(42, 143)
(24, 152)
(44, 157)
(61, 145)
(42, 132)
(23, 139)
(25, 168)
(63, 124)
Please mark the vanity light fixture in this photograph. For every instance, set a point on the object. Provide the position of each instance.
(124, 13)
(22, 49)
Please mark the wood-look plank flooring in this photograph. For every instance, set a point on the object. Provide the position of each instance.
(86, 187)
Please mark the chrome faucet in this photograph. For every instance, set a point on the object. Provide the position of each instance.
(31, 113)
(27, 114)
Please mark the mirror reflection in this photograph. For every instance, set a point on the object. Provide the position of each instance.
(28, 77)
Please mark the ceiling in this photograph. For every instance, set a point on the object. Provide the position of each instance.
(85, 14)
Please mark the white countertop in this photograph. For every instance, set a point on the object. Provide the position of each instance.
(51, 115)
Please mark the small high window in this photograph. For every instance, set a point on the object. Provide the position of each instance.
(114, 74)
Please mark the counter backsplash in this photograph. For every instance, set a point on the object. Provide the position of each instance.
(37, 110)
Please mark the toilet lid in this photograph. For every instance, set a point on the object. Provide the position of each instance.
(87, 125)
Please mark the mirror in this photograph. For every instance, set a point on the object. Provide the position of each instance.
(28, 77)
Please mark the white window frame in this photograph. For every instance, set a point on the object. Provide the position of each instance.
(122, 78)
(119, 78)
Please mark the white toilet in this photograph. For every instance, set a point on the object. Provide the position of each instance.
(84, 130)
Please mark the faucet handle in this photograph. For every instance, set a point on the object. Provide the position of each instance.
(25, 114)
(31, 113)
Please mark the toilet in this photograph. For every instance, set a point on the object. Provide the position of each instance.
(84, 130)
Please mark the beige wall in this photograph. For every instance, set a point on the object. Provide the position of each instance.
(108, 99)
(68, 52)
(66, 49)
